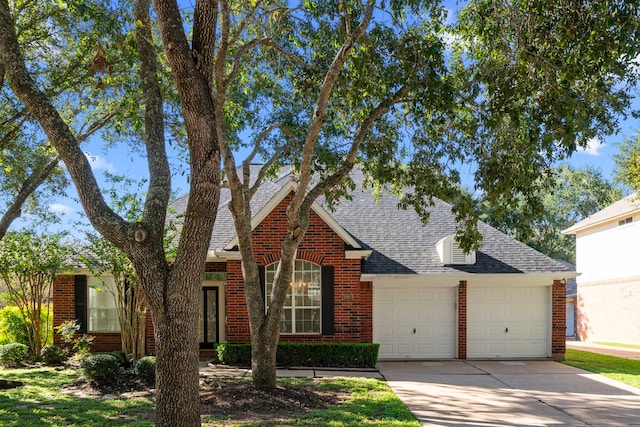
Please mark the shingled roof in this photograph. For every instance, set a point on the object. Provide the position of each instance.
(399, 242)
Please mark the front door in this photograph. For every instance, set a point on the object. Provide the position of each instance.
(208, 327)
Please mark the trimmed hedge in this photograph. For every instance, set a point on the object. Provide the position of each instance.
(333, 355)
(145, 369)
(101, 368)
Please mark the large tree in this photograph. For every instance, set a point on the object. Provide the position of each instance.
(63, 43)
(326, 85)
(576, 194)
(628, 163)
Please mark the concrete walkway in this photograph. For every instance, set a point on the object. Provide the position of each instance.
(518, 393)
(627, 353)
(224, 371)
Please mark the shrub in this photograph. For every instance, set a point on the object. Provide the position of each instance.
(13, 328)
(123, 360)
(101, 368)
(342, 355)
(234, 354)
(53, 355)
(13, 355)
(145, 369)
(80, 344)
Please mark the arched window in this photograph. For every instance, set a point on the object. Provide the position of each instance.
(302, 306)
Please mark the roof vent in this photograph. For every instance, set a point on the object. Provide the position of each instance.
(451, 254)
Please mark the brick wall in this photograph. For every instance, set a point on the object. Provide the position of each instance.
(462, 319)
(609, 310)
(63, 303)
(321, 245)
(558, 319)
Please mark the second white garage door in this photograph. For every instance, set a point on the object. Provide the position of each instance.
(508, 322)
(414, 322)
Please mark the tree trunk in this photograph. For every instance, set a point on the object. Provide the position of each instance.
(178, 398)
(264, 344)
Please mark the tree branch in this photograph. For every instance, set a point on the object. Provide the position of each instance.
(204, 34)
(349, 161)
(155, 208)
(98, 212)
(321, 103)
(28, 187)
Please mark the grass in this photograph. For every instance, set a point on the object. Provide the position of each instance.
(41, 403)
(624, 370)
(617, 344)
(372, 403)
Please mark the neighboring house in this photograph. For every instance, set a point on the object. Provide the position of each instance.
(367, 271)
(608, 301)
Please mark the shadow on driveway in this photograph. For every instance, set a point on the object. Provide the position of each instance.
(519, 393)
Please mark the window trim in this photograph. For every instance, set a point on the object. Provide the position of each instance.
(293, 307)
(92, 282)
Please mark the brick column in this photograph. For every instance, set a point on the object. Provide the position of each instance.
(558, 319)
(462, 319)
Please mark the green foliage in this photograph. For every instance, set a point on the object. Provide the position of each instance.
(337, 355)
(13, 355)
(80, 344)
(145, 369)
(628, 163)
(12, 326)
(101, 368)
(52, 355)
(124, 360)
(575, 194)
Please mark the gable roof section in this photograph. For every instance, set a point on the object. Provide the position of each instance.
(618, 210)
(399, 243)
(284, 191)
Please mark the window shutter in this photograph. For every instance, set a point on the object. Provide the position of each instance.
(263, 286)
(80, 298)
(327, 301)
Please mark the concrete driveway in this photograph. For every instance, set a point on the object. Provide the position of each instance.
(521, 393)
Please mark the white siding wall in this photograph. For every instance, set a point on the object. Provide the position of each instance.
(608, 251)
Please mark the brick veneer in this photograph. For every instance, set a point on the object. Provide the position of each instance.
(462, 319)
(353, 300)
(559, 319)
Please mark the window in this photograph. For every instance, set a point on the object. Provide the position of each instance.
(302, 306)
(102, 311)
(625, 221)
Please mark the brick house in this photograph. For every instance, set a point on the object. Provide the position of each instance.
(367, 271)
(608, 285)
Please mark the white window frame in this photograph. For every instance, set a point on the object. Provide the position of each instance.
(306, 285)
(102, 311)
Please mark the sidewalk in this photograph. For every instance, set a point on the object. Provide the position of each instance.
(210, 370)
(626, 353)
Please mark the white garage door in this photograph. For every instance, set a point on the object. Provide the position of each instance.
(414, 322)
(507, 322)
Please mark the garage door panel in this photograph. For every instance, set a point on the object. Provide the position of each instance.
(421, 324)
(508, 322)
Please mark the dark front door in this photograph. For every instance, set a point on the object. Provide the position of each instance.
(208, 328)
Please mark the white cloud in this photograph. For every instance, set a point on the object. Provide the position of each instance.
(100, 163)
(594, 147)
(60, 209)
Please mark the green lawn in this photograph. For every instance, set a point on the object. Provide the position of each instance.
(41, 403)
(617, 344)
(624, 370)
